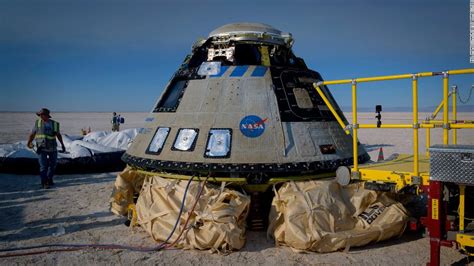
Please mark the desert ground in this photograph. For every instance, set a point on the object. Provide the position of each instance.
(79, 204)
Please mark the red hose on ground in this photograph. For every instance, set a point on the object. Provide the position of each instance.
(38, 252)
(189, 214)
(112, 246)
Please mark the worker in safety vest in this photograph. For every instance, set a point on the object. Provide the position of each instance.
(115, 122)
(45, 132)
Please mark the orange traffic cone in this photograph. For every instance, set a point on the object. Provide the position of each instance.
(380, 155)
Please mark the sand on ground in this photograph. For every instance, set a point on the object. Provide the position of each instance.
(80, 205)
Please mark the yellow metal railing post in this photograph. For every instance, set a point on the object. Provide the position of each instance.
(428, 141)
(462, 190)
(415, 125)
(435, 113)
(331, 108)
(354, 127)
(453, 96)
(430, 123)
(445, 108)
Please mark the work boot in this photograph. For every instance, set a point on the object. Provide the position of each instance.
(50, 182)
(45, 186)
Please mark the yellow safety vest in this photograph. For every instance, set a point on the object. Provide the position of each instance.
(46, 139)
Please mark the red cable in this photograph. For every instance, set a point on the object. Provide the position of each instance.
(189, 215)
(106, 247)
(38, 252)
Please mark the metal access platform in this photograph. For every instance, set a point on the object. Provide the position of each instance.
(416, 172)
(446, 124)
(396, 174)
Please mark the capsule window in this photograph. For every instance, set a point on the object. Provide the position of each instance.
(300, 101)
(158, 141)
(185, 139)
(209, 68)
(219, 143)
(303, 100)
(172, 96)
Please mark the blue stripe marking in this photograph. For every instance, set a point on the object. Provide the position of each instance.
(259, 71)
(239, 71)
(221, 72)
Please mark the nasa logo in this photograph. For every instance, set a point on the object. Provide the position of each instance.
(252, 126)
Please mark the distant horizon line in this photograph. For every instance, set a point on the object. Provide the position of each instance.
(53, 111)
(460, 108)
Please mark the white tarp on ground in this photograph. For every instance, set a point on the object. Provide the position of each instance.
(322, 216)
(92, 143)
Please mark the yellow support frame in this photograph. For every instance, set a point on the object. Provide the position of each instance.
(455, 134)
(465, 240)
(435, 113)
(331, 108)
(355, 149)
(409, 177)
(432, 123)
(462, 196)
(445, 108)
(428, 141)
(240, 181)
(398, 172)
(415, 126)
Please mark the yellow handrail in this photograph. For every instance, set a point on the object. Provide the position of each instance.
(461, 71)
(445, 108)
(462, 193)
(433, 116)
(455, 133)
(415, 125)
(393, 77)
(440, 122)
(386, 126)
(354, 128)
(428, 140)
(458, 126)
(446, 123)
(435, 113)
(331, 108)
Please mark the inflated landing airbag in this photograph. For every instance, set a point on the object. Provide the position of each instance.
(322, 216)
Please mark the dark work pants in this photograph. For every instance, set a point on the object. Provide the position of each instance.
(47, 162)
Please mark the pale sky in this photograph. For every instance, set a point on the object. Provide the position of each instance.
(118, 55)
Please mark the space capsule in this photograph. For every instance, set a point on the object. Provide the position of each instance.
(242, 105)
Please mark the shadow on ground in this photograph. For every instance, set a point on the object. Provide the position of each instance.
(74, 180)
(254, 241)
(24, 191)
(18, 186)
(374, 147)
(405, 238)
(47, 227)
